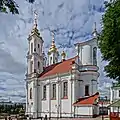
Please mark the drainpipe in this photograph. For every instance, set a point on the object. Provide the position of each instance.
(78, 54)
(58, 99)
(60, 94)
(71, 92)
(37, 95)
(49, 99)
(81, 54)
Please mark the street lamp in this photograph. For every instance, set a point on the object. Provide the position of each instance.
(57, 107)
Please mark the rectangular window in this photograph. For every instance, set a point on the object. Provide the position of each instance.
(54, 91)
(30, 93)
(38, 45)
(44, 92)
(65, 89)
(119, 93)
(86, 90)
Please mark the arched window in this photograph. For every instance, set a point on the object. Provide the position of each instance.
(44, 92)
(65, 89)
(31, 66)
(95, 56)
(31, 47)
(54, 91)
(50, 60)
(30, 93)
(56, 60)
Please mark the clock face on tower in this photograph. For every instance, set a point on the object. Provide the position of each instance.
(95, 56)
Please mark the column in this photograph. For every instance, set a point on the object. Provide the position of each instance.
(35, 99)
(26, 97)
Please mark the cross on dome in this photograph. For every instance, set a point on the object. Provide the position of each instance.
(53, 37)
(53, 46)
(34, 28)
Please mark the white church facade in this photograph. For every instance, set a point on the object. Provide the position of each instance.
(63, 88)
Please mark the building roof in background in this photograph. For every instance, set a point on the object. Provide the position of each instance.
(115, 104)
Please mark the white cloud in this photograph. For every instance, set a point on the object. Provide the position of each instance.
(74, 18)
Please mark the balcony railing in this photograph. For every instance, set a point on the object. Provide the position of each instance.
(87, 68)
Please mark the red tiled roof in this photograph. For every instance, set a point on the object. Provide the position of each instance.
(61, 67)
(87, 100)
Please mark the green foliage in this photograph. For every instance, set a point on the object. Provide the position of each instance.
(109, 40)
(10, 5)
(12, 109)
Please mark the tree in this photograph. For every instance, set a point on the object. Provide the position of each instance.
(11, 6)
(109, 39)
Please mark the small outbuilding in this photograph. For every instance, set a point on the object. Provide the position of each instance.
(87, 107)
(114, 110)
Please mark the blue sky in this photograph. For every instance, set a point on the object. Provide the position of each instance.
(72, 21)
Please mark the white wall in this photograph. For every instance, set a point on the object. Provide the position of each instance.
(86, 51)
(35, 57)
(86, 55)
(84, 111)
(65, 105)
(54, 56)
(114, 94)
(87, 77)
(30, 101)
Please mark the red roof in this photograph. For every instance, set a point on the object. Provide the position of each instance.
(61, 67)
(87, 100)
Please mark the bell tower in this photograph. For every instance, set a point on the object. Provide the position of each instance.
(35, 54)
(53, 52)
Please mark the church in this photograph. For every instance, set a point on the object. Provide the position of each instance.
(61, 87)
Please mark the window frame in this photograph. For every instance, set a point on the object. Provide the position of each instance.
(31, 46)
(30, 93)
(44, 92)
(53, 91)
(65, 89)
(88, 91)
(51, 60)
(38, 45)
(94, 55)
(119, 93)
(31, 66)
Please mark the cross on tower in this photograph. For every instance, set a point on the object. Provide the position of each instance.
(53, 35)
(35, 19)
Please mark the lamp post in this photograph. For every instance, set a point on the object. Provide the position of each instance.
(57, 107)
(102, 111)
